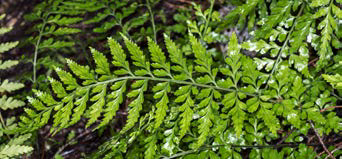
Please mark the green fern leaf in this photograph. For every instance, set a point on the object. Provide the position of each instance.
(280, 12)
(57, 88)
(136, 104)
(204, 129)
(113, 106)
(183, 94)
(65, 21)
(176, 56)
(67, 79)
(7, 46)
(98, 17)
(151, 147)
(82, 72)
(63, 31)
(79, 110)
(334, 80)
(159, 59)
(161, 90)
(138, 57)
(7, 64)
(97, 107)
(4, 30)
(238, 117)
(10, 151)
(7, 86)
(10, 103)
(102, 65)
(119, 57)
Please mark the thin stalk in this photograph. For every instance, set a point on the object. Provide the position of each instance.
(285, 44)
(152, 20)
(210, 13)
(36, 51)
(321, 141)
(168, 80)
(3, 124)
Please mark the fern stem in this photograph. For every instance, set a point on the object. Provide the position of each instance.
(285, 44)
(171, 81)
(4, 125)
(36, 51)
(289, 144)
(152, 20)
(210, 12)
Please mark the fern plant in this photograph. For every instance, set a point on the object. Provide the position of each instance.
(195, 103)
(15, 146)
(117, 11)
(58, 19)
(117, 15)
(54, 21)
(314, 25)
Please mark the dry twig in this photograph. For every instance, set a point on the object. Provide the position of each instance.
(321, 141)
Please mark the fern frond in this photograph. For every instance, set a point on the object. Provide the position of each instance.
(7, 86)
(139, 58)
(7, 64)
(230, 97)
(14, 150)
(278, 13)
(15, 147)
(240, 13)
(327, 26)
(115, 12)
(10, 103)
(119, 58)
(4, 30)
(151, 147)
(140, 87)
(7, 46)
(334, 80)
(176, 56)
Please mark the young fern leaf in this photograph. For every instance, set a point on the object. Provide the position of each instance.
(151, 147)
(184, 96)
(233, 60)
(204, 61)
(329, 25)
(138, 57)
(139, 87)
(161, 89)
(206, 113)
(176, 56)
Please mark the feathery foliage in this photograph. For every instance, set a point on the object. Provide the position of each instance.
(15, 146)
(183, 98)
(54, 22)
(297, 26)
(117, 11)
